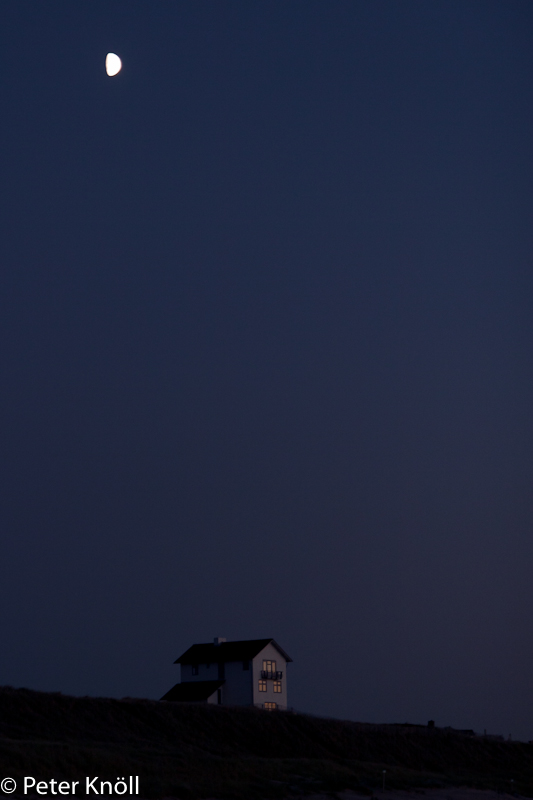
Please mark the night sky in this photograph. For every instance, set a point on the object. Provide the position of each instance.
(266, 313)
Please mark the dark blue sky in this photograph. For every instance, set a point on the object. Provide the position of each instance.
(267, 335)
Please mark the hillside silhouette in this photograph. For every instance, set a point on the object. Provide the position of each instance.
(201, 751)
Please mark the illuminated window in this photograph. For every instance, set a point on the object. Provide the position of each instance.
(270, 706)
(269, 666)
(262, 686)
(195, 669)
(277, 686)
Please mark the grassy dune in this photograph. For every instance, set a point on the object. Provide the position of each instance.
(209, 751)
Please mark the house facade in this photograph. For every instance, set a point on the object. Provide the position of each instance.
(252, 672)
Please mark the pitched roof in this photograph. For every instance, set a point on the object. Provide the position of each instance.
(227, 651)
(192, 691)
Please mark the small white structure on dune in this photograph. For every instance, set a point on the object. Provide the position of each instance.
(246, 673)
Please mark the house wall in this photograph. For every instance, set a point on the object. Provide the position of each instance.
(269, 653)
(237, 691)
(213, 698)
(205, 673)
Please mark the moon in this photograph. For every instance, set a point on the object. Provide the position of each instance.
(113, 64)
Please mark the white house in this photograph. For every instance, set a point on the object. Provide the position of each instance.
(247, 673)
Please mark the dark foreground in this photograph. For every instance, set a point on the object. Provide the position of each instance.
(209, 751)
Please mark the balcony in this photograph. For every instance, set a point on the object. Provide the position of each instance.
(271, 676)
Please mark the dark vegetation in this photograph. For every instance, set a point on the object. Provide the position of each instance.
(194, 751)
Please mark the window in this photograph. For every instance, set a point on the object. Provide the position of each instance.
(262, 686)
(269, 666)
(246, 665)
(270, 706)
(277, 686)
(195, 669)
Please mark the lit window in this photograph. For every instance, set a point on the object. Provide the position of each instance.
(262, 686)
(195, 669)
(270, 706)
(277, 686)
(269, 666)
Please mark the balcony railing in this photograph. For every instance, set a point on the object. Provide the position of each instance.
(271, 676)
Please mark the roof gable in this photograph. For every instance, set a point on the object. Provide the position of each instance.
(227, 651)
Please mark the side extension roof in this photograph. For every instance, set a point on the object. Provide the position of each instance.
(227, 651)
(192, 691)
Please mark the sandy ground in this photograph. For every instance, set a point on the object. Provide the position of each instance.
(414, 794)
(425, 794)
